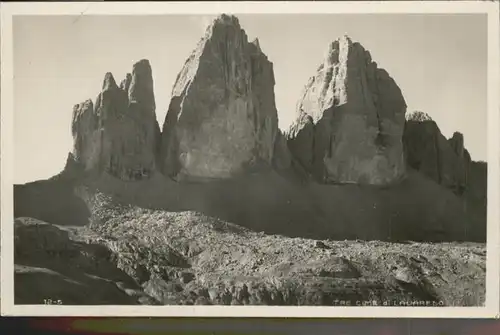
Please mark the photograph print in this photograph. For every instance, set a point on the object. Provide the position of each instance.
(263, 159)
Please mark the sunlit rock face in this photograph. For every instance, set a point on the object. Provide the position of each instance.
(350, 120)
(222, 118)
(119, 133)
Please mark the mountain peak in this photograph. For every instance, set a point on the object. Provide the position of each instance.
(102, 133)
(229, 88)
(365, 107)
(108, 82)
(227, 19)
(257, 44)
(418, 116)
(143, 63)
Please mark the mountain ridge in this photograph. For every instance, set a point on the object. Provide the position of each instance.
(117, 122)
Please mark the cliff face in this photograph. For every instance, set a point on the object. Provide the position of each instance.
(427, 150)
(350, 120)
(222, 117)
(118, 134)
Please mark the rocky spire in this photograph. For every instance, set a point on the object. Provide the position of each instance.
(109, 82)
(118, 134)
(428, 151)
(125, 84)
(222, 117)
(141, 88)
(257, 44)
(350, 120)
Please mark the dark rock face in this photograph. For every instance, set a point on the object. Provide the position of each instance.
(445, 161)
(420, 139)
(476, 200)
(448, 163)
(141, 89)
(282, 158)
(477, 178)
(125, 84)
(350, 120)
(222, 117)
(119, 133)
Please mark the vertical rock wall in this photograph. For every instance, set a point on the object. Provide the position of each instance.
(350, 120)
(222, 118)
(119, 133)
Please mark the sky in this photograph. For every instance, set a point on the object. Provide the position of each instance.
(438, 60)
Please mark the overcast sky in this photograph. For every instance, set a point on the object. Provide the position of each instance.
(439, 62)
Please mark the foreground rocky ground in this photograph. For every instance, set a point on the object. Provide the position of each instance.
(131, 255)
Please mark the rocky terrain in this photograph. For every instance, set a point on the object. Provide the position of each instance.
(359, 202)
(144, 256)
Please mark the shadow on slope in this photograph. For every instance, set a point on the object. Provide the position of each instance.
(53, 200)
(49, 265)
(261, 202)
(416, 209)
(476, 201)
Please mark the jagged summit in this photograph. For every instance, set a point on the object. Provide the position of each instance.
(417, 116)
(142, 63)
(108, 82)
(226, 19)
(257, 44)
(428, 151)
(225, 24)
(457, 136)
(85, 104)
(222, 117)
(222, 21)
(338, 50)
(125, 83)
(141, 88)
(344, 37)
(119, 133)
(344, 40)
(349, 120)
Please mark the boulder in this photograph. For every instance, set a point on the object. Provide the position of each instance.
(119, 134)
(350, 120)
(222, 118)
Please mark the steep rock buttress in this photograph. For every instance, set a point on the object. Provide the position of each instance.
(222, 118)
(119, 133)
(350, 120)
